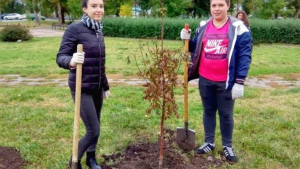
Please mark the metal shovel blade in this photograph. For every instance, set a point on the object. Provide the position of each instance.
(185, 139)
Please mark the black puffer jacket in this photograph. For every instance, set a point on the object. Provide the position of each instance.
(93, 69)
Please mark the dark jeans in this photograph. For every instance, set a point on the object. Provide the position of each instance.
(91, 104)
(215, 97)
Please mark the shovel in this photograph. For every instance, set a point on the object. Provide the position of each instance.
(77, 111)
(185, 137)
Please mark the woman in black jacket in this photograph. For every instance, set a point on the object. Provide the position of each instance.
(88, 32)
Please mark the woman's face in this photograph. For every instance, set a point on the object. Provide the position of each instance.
(240, 16)
(94, 9)
(218, 9)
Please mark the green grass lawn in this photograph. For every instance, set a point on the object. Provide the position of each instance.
(38, 120)
(37, 57)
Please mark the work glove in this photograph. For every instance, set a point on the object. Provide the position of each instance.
(237, 91)
(185, 34)
(77, 58)
(106, 94)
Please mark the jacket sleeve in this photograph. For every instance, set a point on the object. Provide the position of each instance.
(67, 48)
(244, 49)
(104, 80)
(193, 41)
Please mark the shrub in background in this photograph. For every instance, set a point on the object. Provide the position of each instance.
(275, 31)
(263, 31)
(15, 33)
(146, 27)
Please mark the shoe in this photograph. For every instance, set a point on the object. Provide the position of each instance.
(91, 160)
(230, 155)
(205, 148)
(78, 164)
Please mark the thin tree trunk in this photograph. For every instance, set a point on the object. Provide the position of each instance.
(162, 140)
(59, 12)
(237, 6)
(62, 16)
(37, 18)
(296, 14)
(162, 25)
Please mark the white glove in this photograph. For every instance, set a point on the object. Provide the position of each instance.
(77, 58)
(237, 91)
(185, 34)
(106, 94)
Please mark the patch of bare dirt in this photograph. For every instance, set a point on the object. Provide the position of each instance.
(145, 156)
(10, 158)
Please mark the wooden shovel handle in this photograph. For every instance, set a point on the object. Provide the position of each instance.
(186, 50)
(77, 110)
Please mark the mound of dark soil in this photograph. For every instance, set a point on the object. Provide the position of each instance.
(10, 158)
(145, 156)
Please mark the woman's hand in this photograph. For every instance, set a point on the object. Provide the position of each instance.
(106, 94)
(77, 58)
(237, 91)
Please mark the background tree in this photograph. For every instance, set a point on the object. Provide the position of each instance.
(173, 8)
(200, 8)
(126, 10)
(246, 6)
(47, 8)
(294, 4)
(145, 6)
(3, 4)
(255, 5)
(277, 6)
(12, 6)
(270, 9)
(34, 6)
(75, 9)
(235, 5)
(61, 7)
(176, 8)
(112, 7)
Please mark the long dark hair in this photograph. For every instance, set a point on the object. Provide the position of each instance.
(245, 17)
(85, 2)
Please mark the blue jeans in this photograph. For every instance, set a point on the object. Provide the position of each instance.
(215, 97)
(90, 108)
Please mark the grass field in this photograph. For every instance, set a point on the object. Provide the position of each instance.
(38, 120)
(37, 57)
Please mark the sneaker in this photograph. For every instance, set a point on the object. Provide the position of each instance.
(205, 148)
(230, 155)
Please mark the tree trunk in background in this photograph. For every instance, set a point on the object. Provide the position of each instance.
(59, 13)
(237, 6)
(62, 16)
(37, 18)
(296, 14)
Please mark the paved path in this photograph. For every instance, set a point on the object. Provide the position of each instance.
(46, 32)
(11, 80)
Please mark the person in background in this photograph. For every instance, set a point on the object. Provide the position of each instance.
(87, 32)
(221, 57)
(243, 17)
